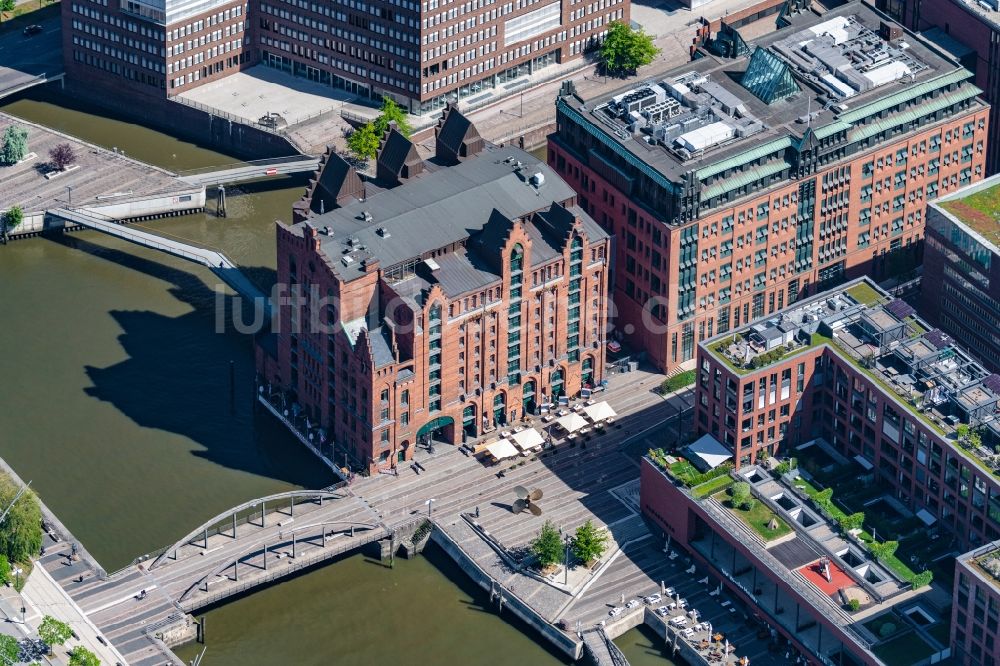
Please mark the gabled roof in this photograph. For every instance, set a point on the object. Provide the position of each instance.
(456, 137)
(397, 158)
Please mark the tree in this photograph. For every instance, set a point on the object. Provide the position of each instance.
(6, 6)
(62, 156)
(625, 50)
(589, 542)
(363, 142)
(392, 112)
(740, 495)
(53, 632)
(4, 569)
(21, 530)
(15, 144)
(10, 649)
(13, 217)
(547, 546)
(852, 522)
(81, 656)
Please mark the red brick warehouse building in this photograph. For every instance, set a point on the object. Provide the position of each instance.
(458, 294)
(736, 186)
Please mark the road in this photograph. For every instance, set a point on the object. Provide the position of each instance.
(24, 58)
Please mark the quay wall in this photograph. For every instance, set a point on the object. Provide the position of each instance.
(143, 208)
(571, 647)
(239, 139)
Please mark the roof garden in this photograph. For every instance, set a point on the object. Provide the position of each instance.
(921, 368)
(978, 209)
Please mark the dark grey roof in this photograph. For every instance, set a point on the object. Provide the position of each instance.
(460, 272)
(438, 208)
(453, 131)
(381, 347)
(793, 553)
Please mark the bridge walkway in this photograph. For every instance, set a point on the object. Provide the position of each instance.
(224, 268)
(601, 649)
(244, 171)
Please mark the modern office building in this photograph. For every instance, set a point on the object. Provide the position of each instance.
(439, 301)
(970, 30)
(960, 289)
(861, 372)
(154, 48)
(737, 186)
(420, 53)
(426, 53)
(976, 607)
(794, 568)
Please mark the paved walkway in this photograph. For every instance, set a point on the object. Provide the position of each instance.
(44, 596)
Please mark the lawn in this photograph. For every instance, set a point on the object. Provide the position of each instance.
(980, 210)
(683, 470)
(941, 632)
(678, 382)
(863, 293)
(757, 518)
(904, 650)
(712, 486)
(876, 625)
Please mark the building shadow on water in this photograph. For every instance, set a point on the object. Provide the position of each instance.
(176, 377)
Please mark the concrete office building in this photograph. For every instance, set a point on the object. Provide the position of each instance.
(970, 30)
(960, 289)
(154, 48)
(737, 186)
(439, 301)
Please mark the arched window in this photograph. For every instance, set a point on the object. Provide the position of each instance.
(516, 259)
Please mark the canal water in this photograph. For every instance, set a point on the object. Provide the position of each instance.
(117, 406)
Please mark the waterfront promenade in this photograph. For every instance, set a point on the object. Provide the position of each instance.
(263, 540)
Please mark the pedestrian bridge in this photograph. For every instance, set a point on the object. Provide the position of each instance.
(243, 171)
(216, 261)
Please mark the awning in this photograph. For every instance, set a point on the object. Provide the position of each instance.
(571, 422)
(710, 451)
(599, 411)
(502, 449)
(861, 460)
(528, 439)
(927, 517)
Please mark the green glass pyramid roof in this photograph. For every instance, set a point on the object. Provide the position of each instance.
(768, 77)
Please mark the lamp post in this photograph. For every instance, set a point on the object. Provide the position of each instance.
(430, 506)
(567, 540)
(69, 190)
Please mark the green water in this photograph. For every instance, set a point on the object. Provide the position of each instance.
(117, 407)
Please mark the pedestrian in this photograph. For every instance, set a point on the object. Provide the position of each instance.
(477, 512)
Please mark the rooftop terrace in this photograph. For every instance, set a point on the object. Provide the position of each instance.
(922, 369)
(978, 208)
(830, 73)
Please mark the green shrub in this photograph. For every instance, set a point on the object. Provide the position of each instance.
(851, 522)
(678, 381)
(854, 605)
(922, 579)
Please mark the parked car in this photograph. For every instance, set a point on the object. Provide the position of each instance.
(679, 621)
(669, 591)
(662, 611)
(616, 611)
(32, 29)
(632, 604)
(682, 603)
(653, 599)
